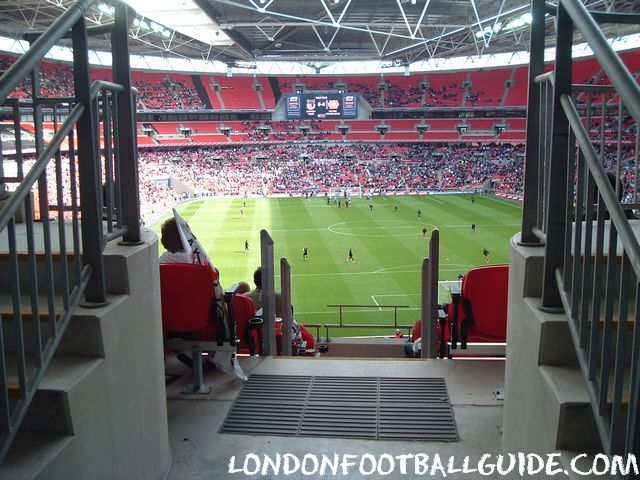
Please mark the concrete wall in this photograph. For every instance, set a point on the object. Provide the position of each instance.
(119, 410)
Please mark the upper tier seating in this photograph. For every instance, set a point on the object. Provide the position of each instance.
(238, 93)
(517, 93)
(487, 87)
(174, 91)
(164, 91)
(267, 93)
(445, 89)
(403, 91)
(367, 87)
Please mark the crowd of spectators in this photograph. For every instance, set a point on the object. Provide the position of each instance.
(56, 80)
(316, 169)
(403, 96)
(168, 94)
(301, 169)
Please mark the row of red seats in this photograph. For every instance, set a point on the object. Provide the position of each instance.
(172, 91)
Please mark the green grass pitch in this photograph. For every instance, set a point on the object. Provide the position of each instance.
(388, 248)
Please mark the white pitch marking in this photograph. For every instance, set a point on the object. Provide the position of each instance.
(398, 295)
(383, 271)
(503, 202)
(366, 310)
(374, 301)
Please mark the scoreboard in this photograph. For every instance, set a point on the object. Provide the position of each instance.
(302, 106)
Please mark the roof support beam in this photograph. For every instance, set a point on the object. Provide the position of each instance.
(375, 44)
(344, 10)
(320, 38)
(424, 11)
(241, 43)
(326, 8)
(309, 21)
(495, 23)
(404, 17)
(452, 32)
(475, 10)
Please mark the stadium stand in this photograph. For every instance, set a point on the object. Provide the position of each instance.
(267, 92)
(517, 91)
(403, 91)
(163, 91)
(487, 87)
(238, 93)
(367, 87)
(505, 87)
(445, 89)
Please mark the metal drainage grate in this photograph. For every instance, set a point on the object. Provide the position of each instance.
(349, 407)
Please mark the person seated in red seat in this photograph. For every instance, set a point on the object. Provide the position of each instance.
(256, 294)
(243, 287)
(413, 346)
(304, 343)
(170, 240)
(174, 253)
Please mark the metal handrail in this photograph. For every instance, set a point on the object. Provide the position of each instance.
(8, 210)
(580, 202)
(611, 63)
(340, 306)
(76, 281)
(339, 326)
(14, 202)
(629, 240)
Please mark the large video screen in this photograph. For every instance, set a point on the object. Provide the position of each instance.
(302, 106)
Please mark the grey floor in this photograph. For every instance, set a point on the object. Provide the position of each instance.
(200, 452)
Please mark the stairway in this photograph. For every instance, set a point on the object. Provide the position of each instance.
(507, 89)
(100, 410)
(275, 86)
(202, 92)
(547, 406)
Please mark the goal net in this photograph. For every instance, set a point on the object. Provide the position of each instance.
(349, 191)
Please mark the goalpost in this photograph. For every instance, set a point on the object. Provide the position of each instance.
(350, 191)
(444, 294)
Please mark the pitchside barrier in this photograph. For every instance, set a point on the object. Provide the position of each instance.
(341, 324)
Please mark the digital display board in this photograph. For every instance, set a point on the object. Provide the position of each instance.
(321, 105)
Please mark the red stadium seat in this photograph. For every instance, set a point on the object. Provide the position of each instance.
(248, 338)
(187, 293)
(308, 344)
(188, 316)
(479, 314)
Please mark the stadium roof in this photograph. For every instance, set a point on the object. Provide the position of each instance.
(315, 34)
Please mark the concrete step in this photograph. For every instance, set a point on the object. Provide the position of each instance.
(31, 452)
(576, 413)
(570, 409)
(100, 410)
(82, 337)
(115, 272)
(53, 418)
(50, 410)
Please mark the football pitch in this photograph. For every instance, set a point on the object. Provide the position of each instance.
(387, 243)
